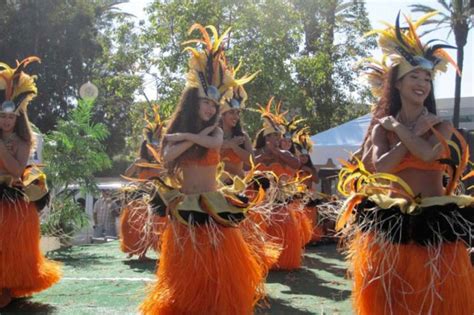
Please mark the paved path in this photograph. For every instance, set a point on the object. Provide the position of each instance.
(98, 279)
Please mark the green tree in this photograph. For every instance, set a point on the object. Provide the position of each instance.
(74, 152)
(304, 50)
(457, 17)
(333, 43)
(78, 41)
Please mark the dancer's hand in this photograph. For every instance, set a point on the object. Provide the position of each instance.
(236, 141)
(424, 124)
(389, 123)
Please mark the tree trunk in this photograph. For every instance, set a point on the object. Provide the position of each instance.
(461, 30)
(457, 89)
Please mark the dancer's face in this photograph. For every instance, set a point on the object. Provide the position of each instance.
(304, 159)
(231, 117)
(415, 86)
(207, 109)
(285, 144)
(273, 139)
(7, 121)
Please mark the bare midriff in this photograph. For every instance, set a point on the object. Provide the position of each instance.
(426, 183)
(199, 179)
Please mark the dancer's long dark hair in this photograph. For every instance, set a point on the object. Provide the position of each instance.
(309, 163)
(186, 119)
(260, 140)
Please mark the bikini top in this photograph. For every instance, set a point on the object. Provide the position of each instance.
(212, 157)
(229, 155)
(411, 161)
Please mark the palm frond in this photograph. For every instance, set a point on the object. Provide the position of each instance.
(421, 8)
(445, 5)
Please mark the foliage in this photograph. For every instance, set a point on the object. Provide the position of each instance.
(333, 44)
(75, 151)
(64, 219)
(304, 50)
(78, 41)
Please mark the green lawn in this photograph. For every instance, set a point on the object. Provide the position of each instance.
(98, 279)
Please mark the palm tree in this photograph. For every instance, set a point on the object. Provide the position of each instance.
(456, 17)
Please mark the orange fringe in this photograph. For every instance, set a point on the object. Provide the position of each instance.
(306, 226)
(264, 248)
(23, 268)
(139, 230)
(204, 270)
(397, 279)
(312, 215)
(286, 226)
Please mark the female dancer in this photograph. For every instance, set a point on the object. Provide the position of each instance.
(23, 269)
(286, 221)
(205, 267)
(408, 239)
(236, 149)
(308, 172)
(139, 229)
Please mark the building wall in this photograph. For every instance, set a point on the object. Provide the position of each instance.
(445, 107)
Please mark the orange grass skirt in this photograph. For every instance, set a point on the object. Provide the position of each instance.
(411, 279)
(23, 268)
(204, 270)
(139, 230)
(306, 227)
(317, 231)
(291, 228)
(265, 249)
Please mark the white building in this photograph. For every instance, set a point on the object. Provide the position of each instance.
(445, 107)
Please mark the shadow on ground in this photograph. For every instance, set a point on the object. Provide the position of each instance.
(81, 259)
(279, 307)
(26, 306)
(142, 266)
(304, 281)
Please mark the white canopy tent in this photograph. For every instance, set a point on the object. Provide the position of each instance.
(339, 142)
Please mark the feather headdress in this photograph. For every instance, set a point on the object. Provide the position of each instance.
(375, 71)
(404, 48)
(273, 122)
(153, 125)
(17, 88)
(239, 96)
(207, 66)
(303, 141)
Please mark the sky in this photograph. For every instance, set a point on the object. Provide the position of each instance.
(381, 10)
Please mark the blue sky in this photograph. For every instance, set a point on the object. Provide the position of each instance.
(381, 10)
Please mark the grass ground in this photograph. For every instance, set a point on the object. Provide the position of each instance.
(99, 279)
